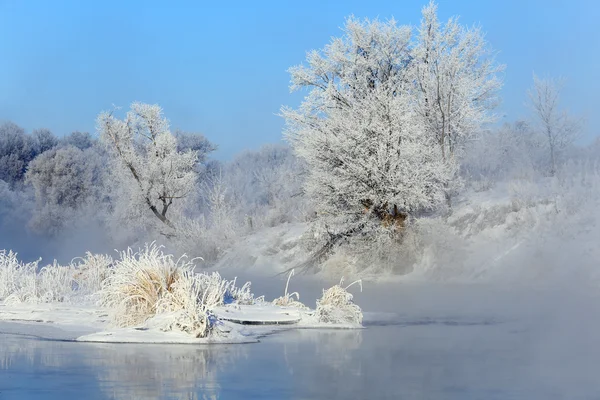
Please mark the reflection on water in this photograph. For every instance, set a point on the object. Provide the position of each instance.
(118, 371)
(155, 372)
(331, 350)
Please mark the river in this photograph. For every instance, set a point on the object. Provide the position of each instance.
(515, 347)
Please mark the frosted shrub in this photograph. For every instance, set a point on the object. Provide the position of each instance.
(17, 279)
(336, 306)
(523, 194)
(578, 186)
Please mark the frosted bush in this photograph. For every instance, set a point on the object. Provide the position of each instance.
(336, 306)
(523, 194)
(17, 279)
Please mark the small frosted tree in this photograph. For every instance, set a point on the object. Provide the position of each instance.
(370, 162)
(558, 127)
(66, 181)
(457, 80)
(148, 164)
(265, 186)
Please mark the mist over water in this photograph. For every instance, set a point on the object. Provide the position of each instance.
(451, 342)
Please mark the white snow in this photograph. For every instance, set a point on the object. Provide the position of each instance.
(265, 314)
(234, 322)
(268, 251)
(238, 324)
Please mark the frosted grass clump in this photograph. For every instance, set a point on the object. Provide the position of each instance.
(187, 305)
(17, 279)
(287, 300)
(149, 284)
(139, 280)
(90, 273)
(21, 283)
(55, 284)
(214, 288)
(336, 306)
(241, 295)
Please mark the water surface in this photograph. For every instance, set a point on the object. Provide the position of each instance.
(539, 350)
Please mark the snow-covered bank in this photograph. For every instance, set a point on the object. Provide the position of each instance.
(150, 297)
(518, 231)
(269, 251)
(236, 324)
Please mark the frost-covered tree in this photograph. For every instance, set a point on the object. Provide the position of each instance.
(197, 142)
(15, 153)
(81, 140)
(43, 140)
(194, 142)
(367, 150)
(457, 80)
(510, 151)
(17, 149)
(558, 127)
(15, 209)
(66, 180)
(153, 173)
(266, 185)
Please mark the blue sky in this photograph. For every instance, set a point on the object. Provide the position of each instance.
(219, 68)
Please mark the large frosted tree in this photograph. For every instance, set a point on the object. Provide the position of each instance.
(384, 117)
(370, 161)
(154, 175)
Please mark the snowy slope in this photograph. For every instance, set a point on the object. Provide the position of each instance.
(268, 251)
(516, 231)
